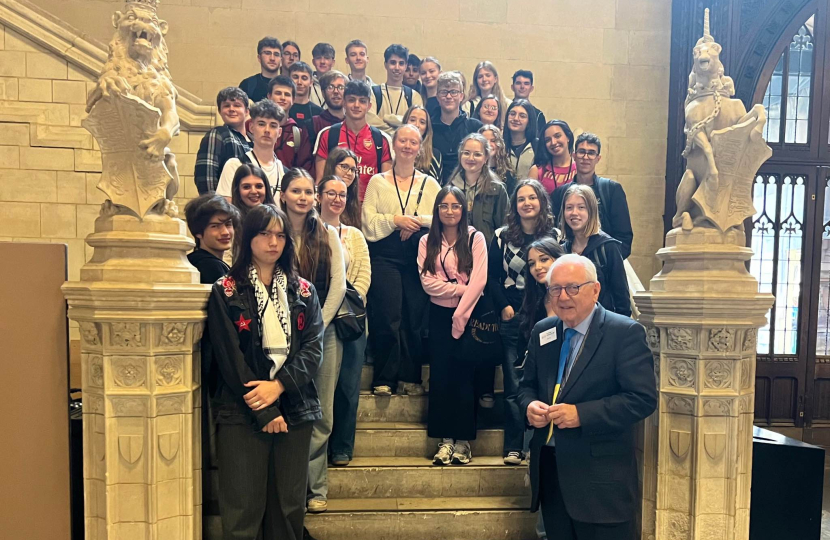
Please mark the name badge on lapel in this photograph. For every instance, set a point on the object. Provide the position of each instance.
(547, 336)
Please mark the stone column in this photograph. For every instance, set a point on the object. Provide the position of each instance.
(701, 314)
(141, 310)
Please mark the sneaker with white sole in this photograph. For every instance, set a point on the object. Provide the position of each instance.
(487, 401)
(410, 389)
(444, 455)
(382, 390)
(461, 454)
(513, 458)
(316, 506)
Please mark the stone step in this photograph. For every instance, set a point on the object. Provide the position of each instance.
(393, 477)
(368, 370)
(447, 518)
(409, 409)
(407, 439)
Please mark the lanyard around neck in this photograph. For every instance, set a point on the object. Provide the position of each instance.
(400, 97)
(398, 191)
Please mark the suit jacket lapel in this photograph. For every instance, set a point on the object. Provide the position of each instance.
(550, 362)
(589, 347)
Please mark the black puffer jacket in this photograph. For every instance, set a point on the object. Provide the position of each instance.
(234, 348)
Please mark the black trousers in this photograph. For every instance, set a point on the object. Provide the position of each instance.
(396, 305)
(452, 399)
(558, 524)
(262, 481)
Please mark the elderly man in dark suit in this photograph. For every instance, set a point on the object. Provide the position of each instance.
(588, 379)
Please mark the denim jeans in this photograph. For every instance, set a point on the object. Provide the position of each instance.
(514, 425)
(326, 381)
(346, 397)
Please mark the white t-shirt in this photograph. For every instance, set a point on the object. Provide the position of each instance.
(274, 172)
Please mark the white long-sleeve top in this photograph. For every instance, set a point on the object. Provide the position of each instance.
(381, 204)
(356, 255)
(337, 278)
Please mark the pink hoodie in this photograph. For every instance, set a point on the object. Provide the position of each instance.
(462, 295)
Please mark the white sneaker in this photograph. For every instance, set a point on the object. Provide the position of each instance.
(317, 506)
(461, 454)
(382, 390)
(444, 455)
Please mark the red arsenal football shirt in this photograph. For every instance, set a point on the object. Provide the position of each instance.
(364, 148)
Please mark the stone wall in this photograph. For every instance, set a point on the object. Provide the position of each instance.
(601, 65)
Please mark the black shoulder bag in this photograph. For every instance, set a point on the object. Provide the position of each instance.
(481, 341)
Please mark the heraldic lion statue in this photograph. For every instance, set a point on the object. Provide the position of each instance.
(133, 115)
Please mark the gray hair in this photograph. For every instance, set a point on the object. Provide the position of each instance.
(573, 258)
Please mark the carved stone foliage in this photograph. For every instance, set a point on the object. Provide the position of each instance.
(746, 368)
(173, 333)
(170, 405)
(681, 372)
(128, 372)
(717, 407)
(721, 339)
(128, 406)
(677, 404)
(750, 339)
(718, 374)
(168, 370)
(89, 333)
(127, 335)
(96, 371)
(681, 339)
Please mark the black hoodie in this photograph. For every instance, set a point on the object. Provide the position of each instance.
(209, 266)
(445, 140)
(604, 252)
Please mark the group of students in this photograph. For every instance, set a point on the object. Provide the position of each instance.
(421, 210)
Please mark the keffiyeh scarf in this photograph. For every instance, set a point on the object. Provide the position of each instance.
(274, 322)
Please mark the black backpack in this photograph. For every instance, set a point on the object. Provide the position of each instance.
(377, 138)
(407, 94)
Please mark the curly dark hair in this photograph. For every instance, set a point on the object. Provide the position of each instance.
(544, 222)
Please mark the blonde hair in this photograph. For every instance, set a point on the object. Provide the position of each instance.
(591, 204)
(475, 91)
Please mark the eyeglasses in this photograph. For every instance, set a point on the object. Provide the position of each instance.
(339, 87)
(466, 154)
(346, 169)
(444, 207)
(590, 154)
(333, 195)
(452, 93)
(287, 54)
(572, 290)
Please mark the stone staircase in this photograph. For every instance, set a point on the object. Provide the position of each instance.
(391, 490)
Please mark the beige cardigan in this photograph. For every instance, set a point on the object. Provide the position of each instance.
(359, 271)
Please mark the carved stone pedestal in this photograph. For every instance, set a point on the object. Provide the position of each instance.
(701, 314)
(141, 311)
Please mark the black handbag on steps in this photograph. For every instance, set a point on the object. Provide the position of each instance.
(481, 340)
(350, 321)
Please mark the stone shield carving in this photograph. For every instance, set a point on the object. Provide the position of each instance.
(679, 442)
(130, 447)
(714, 444)
(169, 444)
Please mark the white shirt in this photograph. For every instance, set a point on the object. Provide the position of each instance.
(274, 172)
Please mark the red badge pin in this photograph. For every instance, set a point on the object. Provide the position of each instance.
(229, 284)
(243, 323)
(305, 288)
(300, 321)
